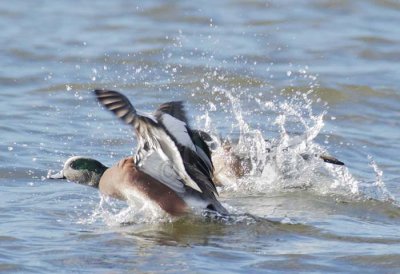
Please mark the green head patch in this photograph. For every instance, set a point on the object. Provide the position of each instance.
(88, 164)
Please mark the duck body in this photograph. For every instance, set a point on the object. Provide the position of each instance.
(125, 177)
(125, 181)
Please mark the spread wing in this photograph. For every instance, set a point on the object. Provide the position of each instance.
(152, 135)
(121, 107)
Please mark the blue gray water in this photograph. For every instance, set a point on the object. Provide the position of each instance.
(318, 75)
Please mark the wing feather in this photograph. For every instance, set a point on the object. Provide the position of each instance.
(194, 151)
(177, 129)
(164, 172)
(120, 105)
(168, 136)
(175, 109)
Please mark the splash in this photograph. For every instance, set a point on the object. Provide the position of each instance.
(377, 189)
(290, 161)
(136, 211)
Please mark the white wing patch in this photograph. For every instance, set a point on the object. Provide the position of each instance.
(155, 166)
(161, 144)
(178, 130)
(168, 148)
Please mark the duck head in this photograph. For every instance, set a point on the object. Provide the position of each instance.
(81, 170)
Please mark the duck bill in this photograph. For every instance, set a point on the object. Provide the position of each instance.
(59, 175)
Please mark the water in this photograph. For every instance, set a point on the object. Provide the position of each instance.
(309, 76)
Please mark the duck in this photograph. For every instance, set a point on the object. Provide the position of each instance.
(126, 180)
(167, 133)
(170, 158)
(230, 165)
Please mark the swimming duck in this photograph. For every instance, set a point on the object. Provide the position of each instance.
(171, 159)
(168, 134)
(155, 180)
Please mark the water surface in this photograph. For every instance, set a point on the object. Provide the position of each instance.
(320, 76)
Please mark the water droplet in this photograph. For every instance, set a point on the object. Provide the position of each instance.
(212, 106)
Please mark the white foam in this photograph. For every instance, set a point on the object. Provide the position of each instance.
(284, 168)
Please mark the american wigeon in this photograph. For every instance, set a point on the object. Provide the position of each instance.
(172, 161)
(126, 180)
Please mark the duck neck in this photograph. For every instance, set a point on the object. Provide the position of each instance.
(96, 176)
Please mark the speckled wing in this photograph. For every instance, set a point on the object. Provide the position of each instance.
(119, 105)
(143, 124)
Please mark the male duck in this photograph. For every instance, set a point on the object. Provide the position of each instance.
(125, 180)
(172, 166)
